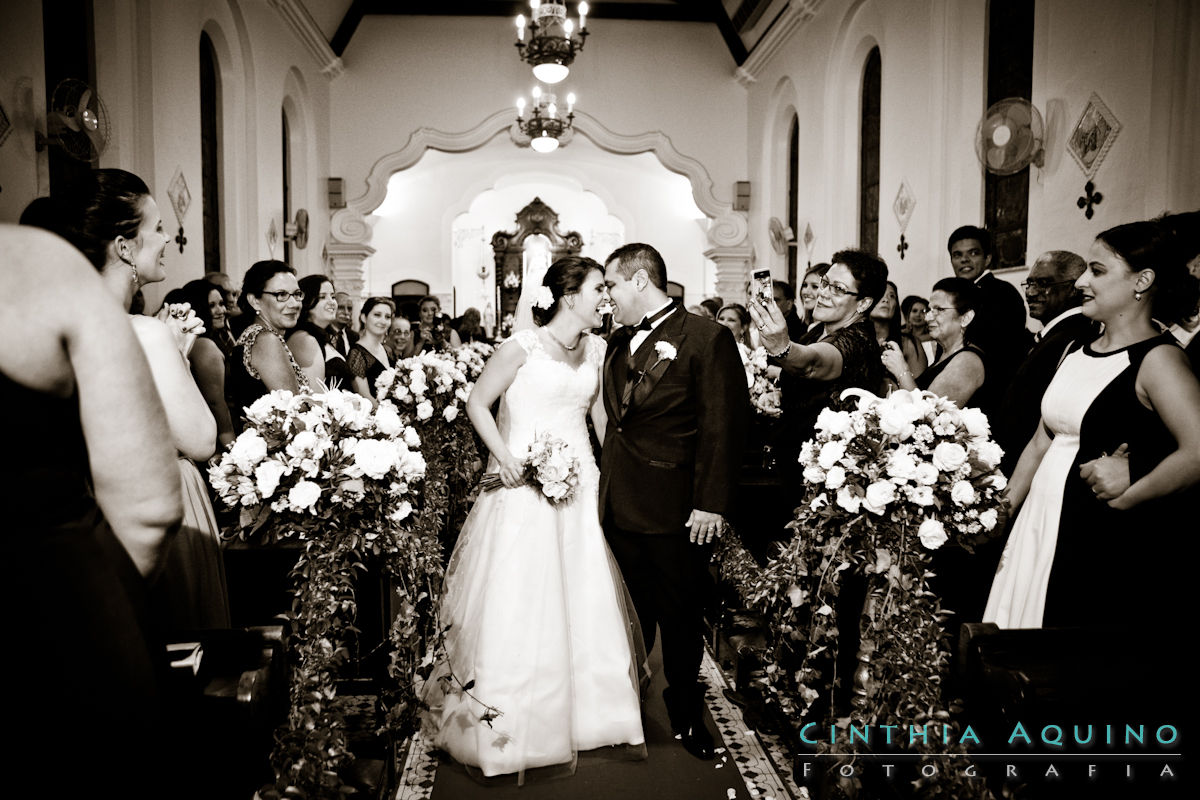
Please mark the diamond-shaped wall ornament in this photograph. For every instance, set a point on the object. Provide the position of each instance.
(181, 198)
(272, 237)
(904, 204)
(809, 237)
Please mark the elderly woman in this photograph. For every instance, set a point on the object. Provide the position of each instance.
(959, 374)
(262, 361)
(838, 353)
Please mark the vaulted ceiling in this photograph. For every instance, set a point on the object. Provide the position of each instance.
(741, 22)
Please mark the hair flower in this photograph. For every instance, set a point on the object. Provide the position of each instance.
(544, 298)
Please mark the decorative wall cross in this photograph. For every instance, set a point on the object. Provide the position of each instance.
(1090, 198)
(180, 239)
(902, 246)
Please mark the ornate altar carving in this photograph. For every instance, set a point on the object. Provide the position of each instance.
(508, 249)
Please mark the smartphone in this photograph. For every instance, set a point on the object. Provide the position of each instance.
(762, 288)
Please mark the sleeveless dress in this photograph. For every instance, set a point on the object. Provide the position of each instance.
(80, 672)
(243, 385)
(538, 616)
(1071, 559)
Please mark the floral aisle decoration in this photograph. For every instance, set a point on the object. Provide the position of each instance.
(341, 478)
(886, 484)
(764, 388)
(549, 467)
(431, 390)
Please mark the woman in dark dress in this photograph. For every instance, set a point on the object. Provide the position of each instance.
(262, 362)
(959, 374)
(207, 360)
(838, 352)
(368, 358)
(310, 341)
(1095, 542)
(89, 503)
(885, 316)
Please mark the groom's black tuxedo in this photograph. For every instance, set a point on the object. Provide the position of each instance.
(673, 444)
(675, 435)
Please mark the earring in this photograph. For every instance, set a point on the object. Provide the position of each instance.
(1137, 295)
(133, 270)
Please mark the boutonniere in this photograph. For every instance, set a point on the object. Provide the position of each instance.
(666, 352)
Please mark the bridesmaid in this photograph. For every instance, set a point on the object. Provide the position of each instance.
(368, 358)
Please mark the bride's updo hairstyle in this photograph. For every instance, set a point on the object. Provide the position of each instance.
(565, 276)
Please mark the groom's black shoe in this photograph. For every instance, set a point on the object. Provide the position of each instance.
(699, 742)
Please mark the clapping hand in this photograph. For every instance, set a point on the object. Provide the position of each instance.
(1108, 475)
(183, 323)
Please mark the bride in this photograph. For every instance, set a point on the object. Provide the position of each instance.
(541, 652)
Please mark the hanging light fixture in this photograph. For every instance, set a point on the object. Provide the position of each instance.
(544, 125)
(553, 40)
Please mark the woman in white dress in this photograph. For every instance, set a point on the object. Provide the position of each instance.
(539, 627)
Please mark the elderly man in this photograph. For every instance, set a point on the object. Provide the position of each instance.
(399, 339)
(232, 291)
(342, 336)
(1053, 301)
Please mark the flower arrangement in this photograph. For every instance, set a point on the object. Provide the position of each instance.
(472, 357)
(886, 484)
(342, 479)
(550, 467)
(764, 389)
(512, 281)
(303, 456)
(426, 385)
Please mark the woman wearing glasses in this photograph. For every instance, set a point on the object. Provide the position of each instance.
(959, 373)
(368, 358)
(839, 352)
(262, 362)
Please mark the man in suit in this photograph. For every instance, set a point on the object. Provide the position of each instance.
(785, 298)
(342, 336)
(999, 325)
(1054, 301)
(677, 405)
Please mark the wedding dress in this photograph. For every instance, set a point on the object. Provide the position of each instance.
(540, 629)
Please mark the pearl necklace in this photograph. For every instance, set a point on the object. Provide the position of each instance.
(559, 342)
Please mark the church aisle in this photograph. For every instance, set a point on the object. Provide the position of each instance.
(742, 769)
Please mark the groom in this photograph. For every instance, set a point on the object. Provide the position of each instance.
(675, 394)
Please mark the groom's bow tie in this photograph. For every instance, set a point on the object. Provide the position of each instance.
(648, 322)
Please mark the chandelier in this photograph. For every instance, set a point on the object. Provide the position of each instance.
(553, 41)
(544, 126)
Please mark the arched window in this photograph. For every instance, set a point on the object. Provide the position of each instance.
(868, 163)
(286, 152)
(1009, 74)
(793, 198)
(210, 155)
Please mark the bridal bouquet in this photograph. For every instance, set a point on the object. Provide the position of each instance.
(429, 385)
(550, 467)
(764, 390)
(303, 458)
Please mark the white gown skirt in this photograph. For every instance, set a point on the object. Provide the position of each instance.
(541, 635)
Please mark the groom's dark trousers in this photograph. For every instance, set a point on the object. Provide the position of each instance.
(674, 440)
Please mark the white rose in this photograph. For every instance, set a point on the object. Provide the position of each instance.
(999, 482)
(896, 421)
(989, 453)
(962, 493)
(988, 519)
(932, 534)
(976, 422)
(925, 474)
(831, 453)
(848, 500)
(303, 495)
(806, 452)
(402, 511)
(819, 502)
(450, 413)
(387, 419)
(949, 456)
(901, 465)
(424, 410)
(555, 490)
(374, 457)
(879, 494)
(302, 444)
(248, 450)
(835, 477)
(267, 475)
(813, 474)
(921, 495)
(412, 438)
(835, 423)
